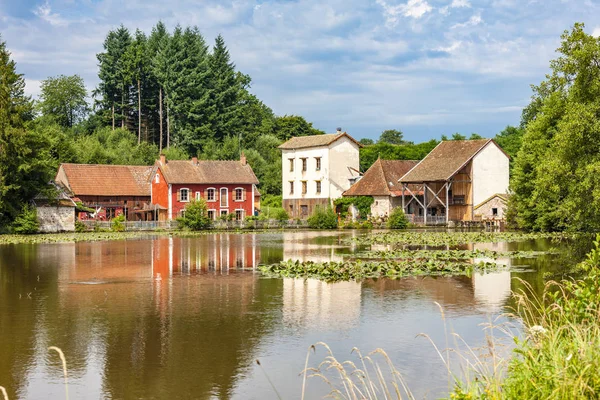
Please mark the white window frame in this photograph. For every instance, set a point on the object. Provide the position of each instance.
(235, 191)
(214, 194)
(214, 213)
(242, 210)
(304, 187)
(292, 162)
(187, 195)
(157, 178)
(226, 197)
(198, 196)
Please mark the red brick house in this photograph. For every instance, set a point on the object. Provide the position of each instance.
(227, 186)
(111, 190)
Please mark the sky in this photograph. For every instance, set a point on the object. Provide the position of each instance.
(426, 67)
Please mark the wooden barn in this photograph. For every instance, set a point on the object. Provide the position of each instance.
(453, 178)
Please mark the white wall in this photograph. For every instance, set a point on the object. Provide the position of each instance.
(56, 219)
(310, 175)
(490, 173)
(381, 206)
(344, 155)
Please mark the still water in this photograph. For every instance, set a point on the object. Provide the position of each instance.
(186, 318)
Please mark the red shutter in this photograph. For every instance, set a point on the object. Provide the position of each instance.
(205, 194)
(179, 195)
(244, 194)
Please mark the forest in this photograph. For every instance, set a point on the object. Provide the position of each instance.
(166, 92)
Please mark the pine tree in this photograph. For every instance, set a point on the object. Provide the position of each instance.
(158, 44)
(135, 64)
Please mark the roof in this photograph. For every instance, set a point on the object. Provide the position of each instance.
(502, 196)
(445, 160)
(381, 179)
(207, 171)
(105, 180)
(301, 142)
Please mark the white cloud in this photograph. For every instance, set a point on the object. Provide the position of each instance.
(473, 21)
(32, 87)
(596, 31)
(413, 9)
(460, 3)
(44, 11)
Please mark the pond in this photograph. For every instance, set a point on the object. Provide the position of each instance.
(174, 317)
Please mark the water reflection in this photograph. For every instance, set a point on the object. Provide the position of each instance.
(172, 317)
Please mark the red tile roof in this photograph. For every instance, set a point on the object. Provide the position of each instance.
(104, 180)
(381, 179)
(445, 160)
(207, 171)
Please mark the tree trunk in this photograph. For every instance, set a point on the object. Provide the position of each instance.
(123, 109)
(160, 117)
(139, 112)
(168, 123)
(113, 116)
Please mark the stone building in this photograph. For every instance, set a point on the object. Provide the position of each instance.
(316, 170)
(55, 215)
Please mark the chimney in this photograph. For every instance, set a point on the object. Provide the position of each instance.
(195, 160)
(243, 158)
(163, 159)
(339, 130)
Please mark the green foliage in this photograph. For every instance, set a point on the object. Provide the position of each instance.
(556, 175)
(510, 139)
(323, 218)
(290, 126)
(386, 151)
(64, 99)
(276, 213)
(118, 224)
(26, 222)
(196, 217)
(270, 200)
(397, 219)
(363, 203)
(80, 226)
(391, 136)
(366, 141)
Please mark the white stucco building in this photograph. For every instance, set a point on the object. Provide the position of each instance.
(317, 169)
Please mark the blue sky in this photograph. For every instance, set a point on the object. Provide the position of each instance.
(427, 67)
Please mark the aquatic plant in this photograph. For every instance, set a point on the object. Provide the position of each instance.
(454, 254)
(334, 271)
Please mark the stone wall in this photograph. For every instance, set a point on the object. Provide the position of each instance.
(485, 211)
(56, 219)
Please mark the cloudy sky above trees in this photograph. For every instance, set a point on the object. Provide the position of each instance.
(427, 67)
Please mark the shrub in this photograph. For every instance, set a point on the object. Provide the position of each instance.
(80, 226)
(118, 223)
(397, 219)
(363, 203)
(323, 218)
(270, 200)
(196, 217)
(26, 222)
(276, 213)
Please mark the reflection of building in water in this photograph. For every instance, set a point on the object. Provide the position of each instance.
(321, 305)
(222, 253)
(493, 289)
(304, 246)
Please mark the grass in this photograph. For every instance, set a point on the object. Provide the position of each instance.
(556, 357)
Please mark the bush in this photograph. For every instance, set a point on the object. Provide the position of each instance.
(276, 213)
(196, 217)
(397, 219)
(26, 222)
(270, 200)
(118, 223)
(80, 226)
(363, 203)
(323, 218)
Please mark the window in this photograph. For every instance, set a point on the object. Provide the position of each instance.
(304, 210)
(224, 200)
(291, 187)
(210, 195)
(303, 164)
(304, 186)
(239, 215)
(495, 212)
(223, 212)
(197, 195)
(239, 194)
(291, 164)
(184, 195)
(211, 214)
(318, 187)
(318, 163)
(458, 199)
(157, 179)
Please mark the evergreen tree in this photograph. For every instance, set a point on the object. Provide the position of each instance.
(158, 42)
(135, 64)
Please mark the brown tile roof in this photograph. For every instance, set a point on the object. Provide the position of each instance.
(445, 160)
(105, 180)
(381, 179)
(301, 142)
(502, 196)
(207, 171)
